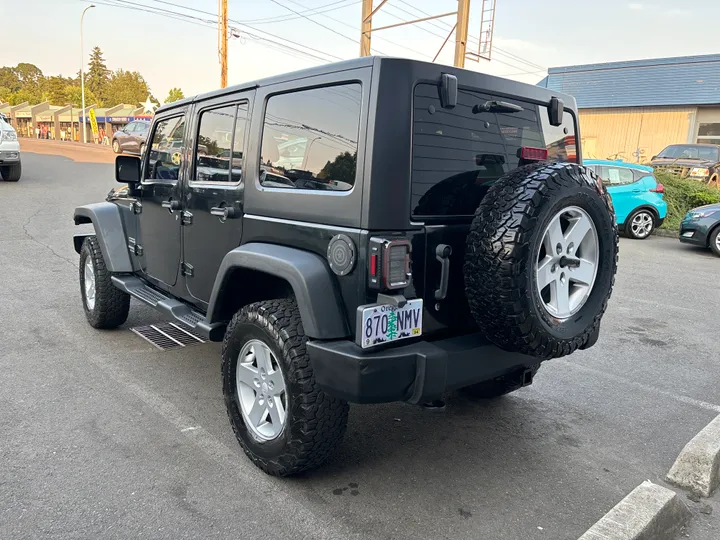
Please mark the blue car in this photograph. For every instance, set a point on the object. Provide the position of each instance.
(636, 195)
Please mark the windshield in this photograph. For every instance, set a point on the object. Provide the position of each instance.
(690, 151)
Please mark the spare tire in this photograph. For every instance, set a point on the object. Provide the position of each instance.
(541, 258)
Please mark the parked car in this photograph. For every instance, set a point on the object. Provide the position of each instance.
(10, 165)
(701, 227)
(636, 195)
(131, 138)
(695, 161)
(407, 257)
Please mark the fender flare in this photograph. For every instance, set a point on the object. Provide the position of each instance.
(109, 231)
(308, 275)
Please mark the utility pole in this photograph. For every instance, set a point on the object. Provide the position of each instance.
(460, 28)
(82, 74)
(366, 27)
(223, 40)
(461, 32)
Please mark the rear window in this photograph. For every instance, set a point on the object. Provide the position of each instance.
(457, 155)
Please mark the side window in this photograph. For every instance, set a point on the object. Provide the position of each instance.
(166, 150)
(310, 139)
(616, 176)
(130, 127)
(219, 151)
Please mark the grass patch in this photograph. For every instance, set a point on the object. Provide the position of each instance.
(682, 195)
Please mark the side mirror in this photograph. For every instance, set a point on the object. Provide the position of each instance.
(127, 169)
(653, 158)
(556, 109)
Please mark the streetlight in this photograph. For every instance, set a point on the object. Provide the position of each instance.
(82, 74)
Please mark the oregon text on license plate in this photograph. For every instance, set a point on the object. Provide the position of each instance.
(382, 324)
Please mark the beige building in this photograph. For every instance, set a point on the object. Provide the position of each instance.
(632, 110)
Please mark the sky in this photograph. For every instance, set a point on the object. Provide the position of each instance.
(270, 38)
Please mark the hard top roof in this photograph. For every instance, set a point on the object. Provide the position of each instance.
(356, 63)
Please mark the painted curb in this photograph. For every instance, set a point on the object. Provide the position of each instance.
(649, 512)
(697, 468)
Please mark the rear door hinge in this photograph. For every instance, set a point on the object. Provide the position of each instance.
(187, 269)
(136, 207)
(187, 218)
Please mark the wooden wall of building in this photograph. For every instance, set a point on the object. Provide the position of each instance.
(619, 133)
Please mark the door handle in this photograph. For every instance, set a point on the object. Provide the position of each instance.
(637, 191)
(224, 212)
(442, 254)
(171, 205)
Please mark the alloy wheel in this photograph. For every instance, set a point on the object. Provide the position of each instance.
(567, 261)
(89, 279)
(642, 224)
(261, 390)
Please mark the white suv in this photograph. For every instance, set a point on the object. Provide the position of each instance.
(10, 166)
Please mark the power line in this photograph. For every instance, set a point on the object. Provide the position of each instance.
(314, 11)
(316, 22)
(127, 4)
(358, 30)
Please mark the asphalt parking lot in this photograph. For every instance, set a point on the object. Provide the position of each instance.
(104, 436)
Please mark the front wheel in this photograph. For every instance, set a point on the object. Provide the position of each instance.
(640, 224)
(284, 422)
(11, 173)
(715, 241)
(116, 147)
(105, 305)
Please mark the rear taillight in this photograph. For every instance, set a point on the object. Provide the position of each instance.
(528, 153)
(658, 189)
(389, 265)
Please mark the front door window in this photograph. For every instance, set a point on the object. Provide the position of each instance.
(166, 150)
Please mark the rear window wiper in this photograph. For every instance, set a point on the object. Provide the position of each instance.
(497, 107)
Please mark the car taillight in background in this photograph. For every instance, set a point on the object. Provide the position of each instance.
(389, 264)
(528, 153)
(658, 189)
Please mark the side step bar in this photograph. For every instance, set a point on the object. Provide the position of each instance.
(169, 306)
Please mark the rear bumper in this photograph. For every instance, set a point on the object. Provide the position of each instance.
(416, 373)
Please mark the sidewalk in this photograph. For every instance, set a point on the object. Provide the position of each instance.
(77, 151)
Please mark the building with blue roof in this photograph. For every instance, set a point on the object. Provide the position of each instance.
(633, 109)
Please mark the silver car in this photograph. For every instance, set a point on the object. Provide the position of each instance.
(10, 166)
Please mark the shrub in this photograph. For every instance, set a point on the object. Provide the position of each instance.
(682, 195)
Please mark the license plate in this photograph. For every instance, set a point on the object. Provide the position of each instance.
(384, 324)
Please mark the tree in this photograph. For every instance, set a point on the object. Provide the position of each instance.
(4, 93)
(342, 169)
(55, 90)
(98, 75)
(73, 95)
(126, 87)
(175, 94)
(9, 79)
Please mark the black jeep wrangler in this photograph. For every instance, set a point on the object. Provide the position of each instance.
(370, 231)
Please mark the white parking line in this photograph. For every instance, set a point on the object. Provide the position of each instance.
(646, 388)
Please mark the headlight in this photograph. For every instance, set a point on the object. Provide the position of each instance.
(706, 213)
(8, 135)
(697, 171)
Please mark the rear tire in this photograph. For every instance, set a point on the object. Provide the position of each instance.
(640, 225)
(514, 267)
(501, 385)
(306, 424)
(714, 241)
(11, 173)
(105, 305)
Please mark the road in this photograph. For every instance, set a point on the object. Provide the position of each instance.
(104, 436)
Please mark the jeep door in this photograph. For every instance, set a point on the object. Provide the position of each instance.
(159, 220)
(213, 193)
